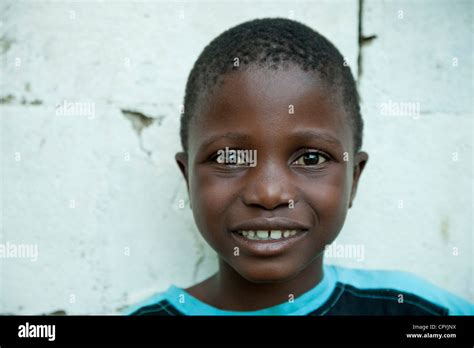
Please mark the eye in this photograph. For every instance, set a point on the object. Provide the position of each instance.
(231, 158)
(312, 158)
(235, 159)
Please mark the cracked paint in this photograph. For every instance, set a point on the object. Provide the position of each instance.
(5, 44)
(58, 312)
(363, 40)
(10, 99)
(140, 121)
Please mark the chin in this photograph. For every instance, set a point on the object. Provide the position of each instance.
(266, 272)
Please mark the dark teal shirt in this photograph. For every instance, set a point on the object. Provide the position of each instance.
(342, 291)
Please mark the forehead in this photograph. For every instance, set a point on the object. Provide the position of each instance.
(268, 105)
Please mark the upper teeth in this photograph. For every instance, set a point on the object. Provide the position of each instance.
(265, 235)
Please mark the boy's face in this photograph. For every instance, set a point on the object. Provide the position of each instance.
(302, 180)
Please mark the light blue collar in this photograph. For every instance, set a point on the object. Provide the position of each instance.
(302, 305)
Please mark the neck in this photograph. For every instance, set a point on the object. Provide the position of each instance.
(230, 291)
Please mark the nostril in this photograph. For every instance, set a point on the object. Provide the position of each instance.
(269, 203)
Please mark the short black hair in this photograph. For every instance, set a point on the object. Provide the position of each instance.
(272, 43)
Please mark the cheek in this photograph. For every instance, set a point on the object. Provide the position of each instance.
(210, 197)
(329, 198)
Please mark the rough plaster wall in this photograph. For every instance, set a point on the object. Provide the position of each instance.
(99, 195)
(423, 54)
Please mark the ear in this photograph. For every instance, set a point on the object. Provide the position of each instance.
(182, 161)
(360, 160)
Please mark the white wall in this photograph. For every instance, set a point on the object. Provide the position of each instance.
(98, 194)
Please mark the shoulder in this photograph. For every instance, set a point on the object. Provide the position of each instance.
(397, 287)
(157, 304)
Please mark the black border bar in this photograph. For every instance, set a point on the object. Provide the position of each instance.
(156, 330)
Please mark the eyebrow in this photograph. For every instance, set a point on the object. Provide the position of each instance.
(229, 135)
(308, 135)
(304, 135)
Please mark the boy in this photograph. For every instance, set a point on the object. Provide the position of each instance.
(271, 139)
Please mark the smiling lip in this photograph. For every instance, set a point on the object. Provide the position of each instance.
(269, 224)
(271, 247)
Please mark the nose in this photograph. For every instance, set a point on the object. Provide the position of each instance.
(270, 186)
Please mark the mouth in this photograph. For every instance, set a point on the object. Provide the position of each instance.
(267, 235)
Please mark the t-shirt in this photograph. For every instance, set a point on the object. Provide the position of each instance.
(342, 291)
